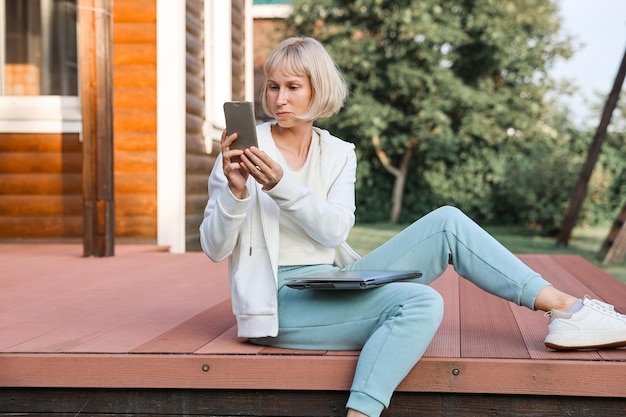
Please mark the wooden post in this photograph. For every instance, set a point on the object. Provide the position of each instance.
(580, 192)
(96, 82)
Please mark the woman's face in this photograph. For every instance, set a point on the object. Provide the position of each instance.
(288, 96)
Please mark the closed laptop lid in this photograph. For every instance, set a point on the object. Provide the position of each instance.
(350, 279)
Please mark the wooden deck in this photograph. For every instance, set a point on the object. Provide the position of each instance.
(151, 333)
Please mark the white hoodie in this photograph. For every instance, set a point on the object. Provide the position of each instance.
(246, 231)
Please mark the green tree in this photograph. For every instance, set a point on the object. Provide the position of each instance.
(438, 87)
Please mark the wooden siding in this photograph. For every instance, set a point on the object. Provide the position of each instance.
(198, 162)
(40, 186)
(238, 34)
(134, 104)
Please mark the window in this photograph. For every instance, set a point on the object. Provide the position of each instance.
(40, 48)
(38, 66)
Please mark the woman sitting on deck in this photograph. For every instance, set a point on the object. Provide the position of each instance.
(286, 209)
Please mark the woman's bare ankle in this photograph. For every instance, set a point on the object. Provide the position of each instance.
(552, 299)
(354, 413)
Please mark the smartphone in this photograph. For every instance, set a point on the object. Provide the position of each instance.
(240, 119)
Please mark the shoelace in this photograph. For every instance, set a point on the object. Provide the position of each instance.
(605, 308)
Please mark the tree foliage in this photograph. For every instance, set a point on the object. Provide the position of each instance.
(449, 105)
(458, 84)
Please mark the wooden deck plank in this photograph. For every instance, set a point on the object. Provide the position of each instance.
(293, 372)
(556, 274)
(343, 353)
(228, 344)
(601, 283)
(290, 372)
(504, 376)
(282, 351)
(194, 333)
(176, 299)
(447, 340)
(488, 328)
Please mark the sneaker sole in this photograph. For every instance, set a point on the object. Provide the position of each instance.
(613, 345)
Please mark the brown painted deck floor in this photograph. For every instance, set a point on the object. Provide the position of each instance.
(148, 319)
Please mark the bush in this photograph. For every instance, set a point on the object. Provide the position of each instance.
(526, 183)
(537, 188)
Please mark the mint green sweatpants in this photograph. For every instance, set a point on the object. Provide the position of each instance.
(394, 324)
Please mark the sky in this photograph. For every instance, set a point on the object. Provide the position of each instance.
(599, 28)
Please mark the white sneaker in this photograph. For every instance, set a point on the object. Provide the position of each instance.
(595, 326)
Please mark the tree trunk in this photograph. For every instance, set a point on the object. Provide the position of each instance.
(614, 247)
(580, 191)
(400, 174)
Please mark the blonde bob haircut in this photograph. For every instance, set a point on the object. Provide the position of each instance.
(304, 56)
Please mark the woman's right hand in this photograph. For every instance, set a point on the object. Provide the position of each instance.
(234, 172)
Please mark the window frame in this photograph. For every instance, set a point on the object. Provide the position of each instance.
(2, 45)
(35, 114)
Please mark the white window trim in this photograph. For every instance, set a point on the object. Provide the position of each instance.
(271, 11)
(171, 127)
(2, 43)
(217, 65)
(249, 33)
(40, 114)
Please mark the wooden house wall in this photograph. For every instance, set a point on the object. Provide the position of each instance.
(41, 174)
(134, 118)
(40, 186)
(198, 162)
(238, 35)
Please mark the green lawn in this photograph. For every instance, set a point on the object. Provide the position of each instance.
(584, 242)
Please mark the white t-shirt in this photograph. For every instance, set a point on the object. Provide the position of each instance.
(296, 247)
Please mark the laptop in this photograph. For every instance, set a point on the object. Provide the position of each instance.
(349, 280)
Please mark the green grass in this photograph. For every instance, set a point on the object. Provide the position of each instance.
(585, 242)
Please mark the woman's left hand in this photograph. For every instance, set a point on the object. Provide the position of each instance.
(262, 168)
